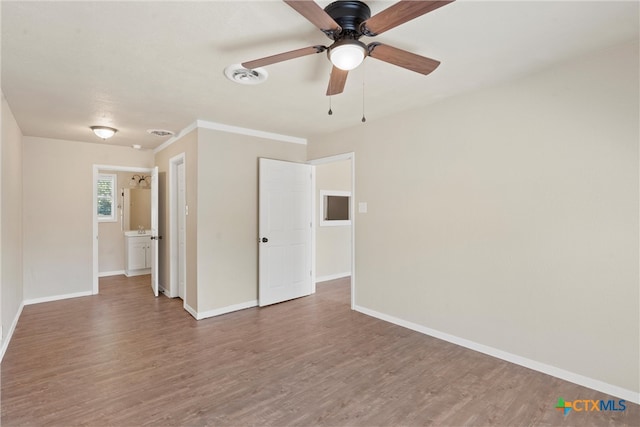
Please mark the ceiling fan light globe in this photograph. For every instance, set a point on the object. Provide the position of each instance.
(347, 56)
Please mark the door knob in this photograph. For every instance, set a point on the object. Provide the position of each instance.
(265, 240)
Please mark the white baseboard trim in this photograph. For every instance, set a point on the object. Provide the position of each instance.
(166, 291)
(191, 311)
(12, 328)
(333, 276)
(134, 273)
(111, 273)
(57, 297)
(572, 377)
(222, 310)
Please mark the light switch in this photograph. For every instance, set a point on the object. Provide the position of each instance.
(362, 207)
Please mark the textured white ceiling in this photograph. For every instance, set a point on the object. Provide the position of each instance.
(155, 64)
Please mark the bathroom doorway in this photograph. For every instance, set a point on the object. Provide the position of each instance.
(109, 236)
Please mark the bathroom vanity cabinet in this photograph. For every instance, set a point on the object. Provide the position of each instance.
(137, 254)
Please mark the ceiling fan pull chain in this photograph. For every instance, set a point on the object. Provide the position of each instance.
(330, 111)
(364, 119)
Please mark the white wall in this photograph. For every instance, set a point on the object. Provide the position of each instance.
(228, 214)
(186, 145)
(333, 243)
(509, 216)
(222, 195)
(11, 289)
(58, 217)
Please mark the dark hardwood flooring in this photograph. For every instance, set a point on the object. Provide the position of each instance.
(125, 358)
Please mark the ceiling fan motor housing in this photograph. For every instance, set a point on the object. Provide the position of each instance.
(349, 15)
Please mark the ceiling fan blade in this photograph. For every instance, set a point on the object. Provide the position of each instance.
(401, 12)
(402, 58)
(337, 81)
(285, 56)
(315, 14)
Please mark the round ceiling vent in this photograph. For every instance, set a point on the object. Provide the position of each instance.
(160, 132)
(237, 73)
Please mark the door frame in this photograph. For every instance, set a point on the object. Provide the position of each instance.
(174, 239)
(338, 158)
(96, 169)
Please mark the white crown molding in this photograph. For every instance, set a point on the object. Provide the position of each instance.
(204, 124)
(251, 132)
(176, 137)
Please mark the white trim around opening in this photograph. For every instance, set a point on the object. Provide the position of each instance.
(337, 158)
(96, 173)
(176, 256)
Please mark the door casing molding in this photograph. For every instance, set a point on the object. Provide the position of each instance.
(96, 169)
(338, 158)
(174, 242)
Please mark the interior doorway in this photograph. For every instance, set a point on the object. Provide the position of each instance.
(334, 251)
(178, 211)
(111, 169)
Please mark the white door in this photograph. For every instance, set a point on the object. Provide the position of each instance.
(154, 231)
(182, 231)
(285, 227)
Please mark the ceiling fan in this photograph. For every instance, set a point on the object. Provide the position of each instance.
(345, 22)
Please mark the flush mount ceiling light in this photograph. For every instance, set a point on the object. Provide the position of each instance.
(347, 54)
(104, 132)
(239, 74)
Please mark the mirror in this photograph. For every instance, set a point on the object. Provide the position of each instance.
(137, 208)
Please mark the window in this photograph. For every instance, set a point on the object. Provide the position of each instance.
(106, 190)
(334, 207)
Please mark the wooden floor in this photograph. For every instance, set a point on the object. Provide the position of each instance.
(125, 358)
